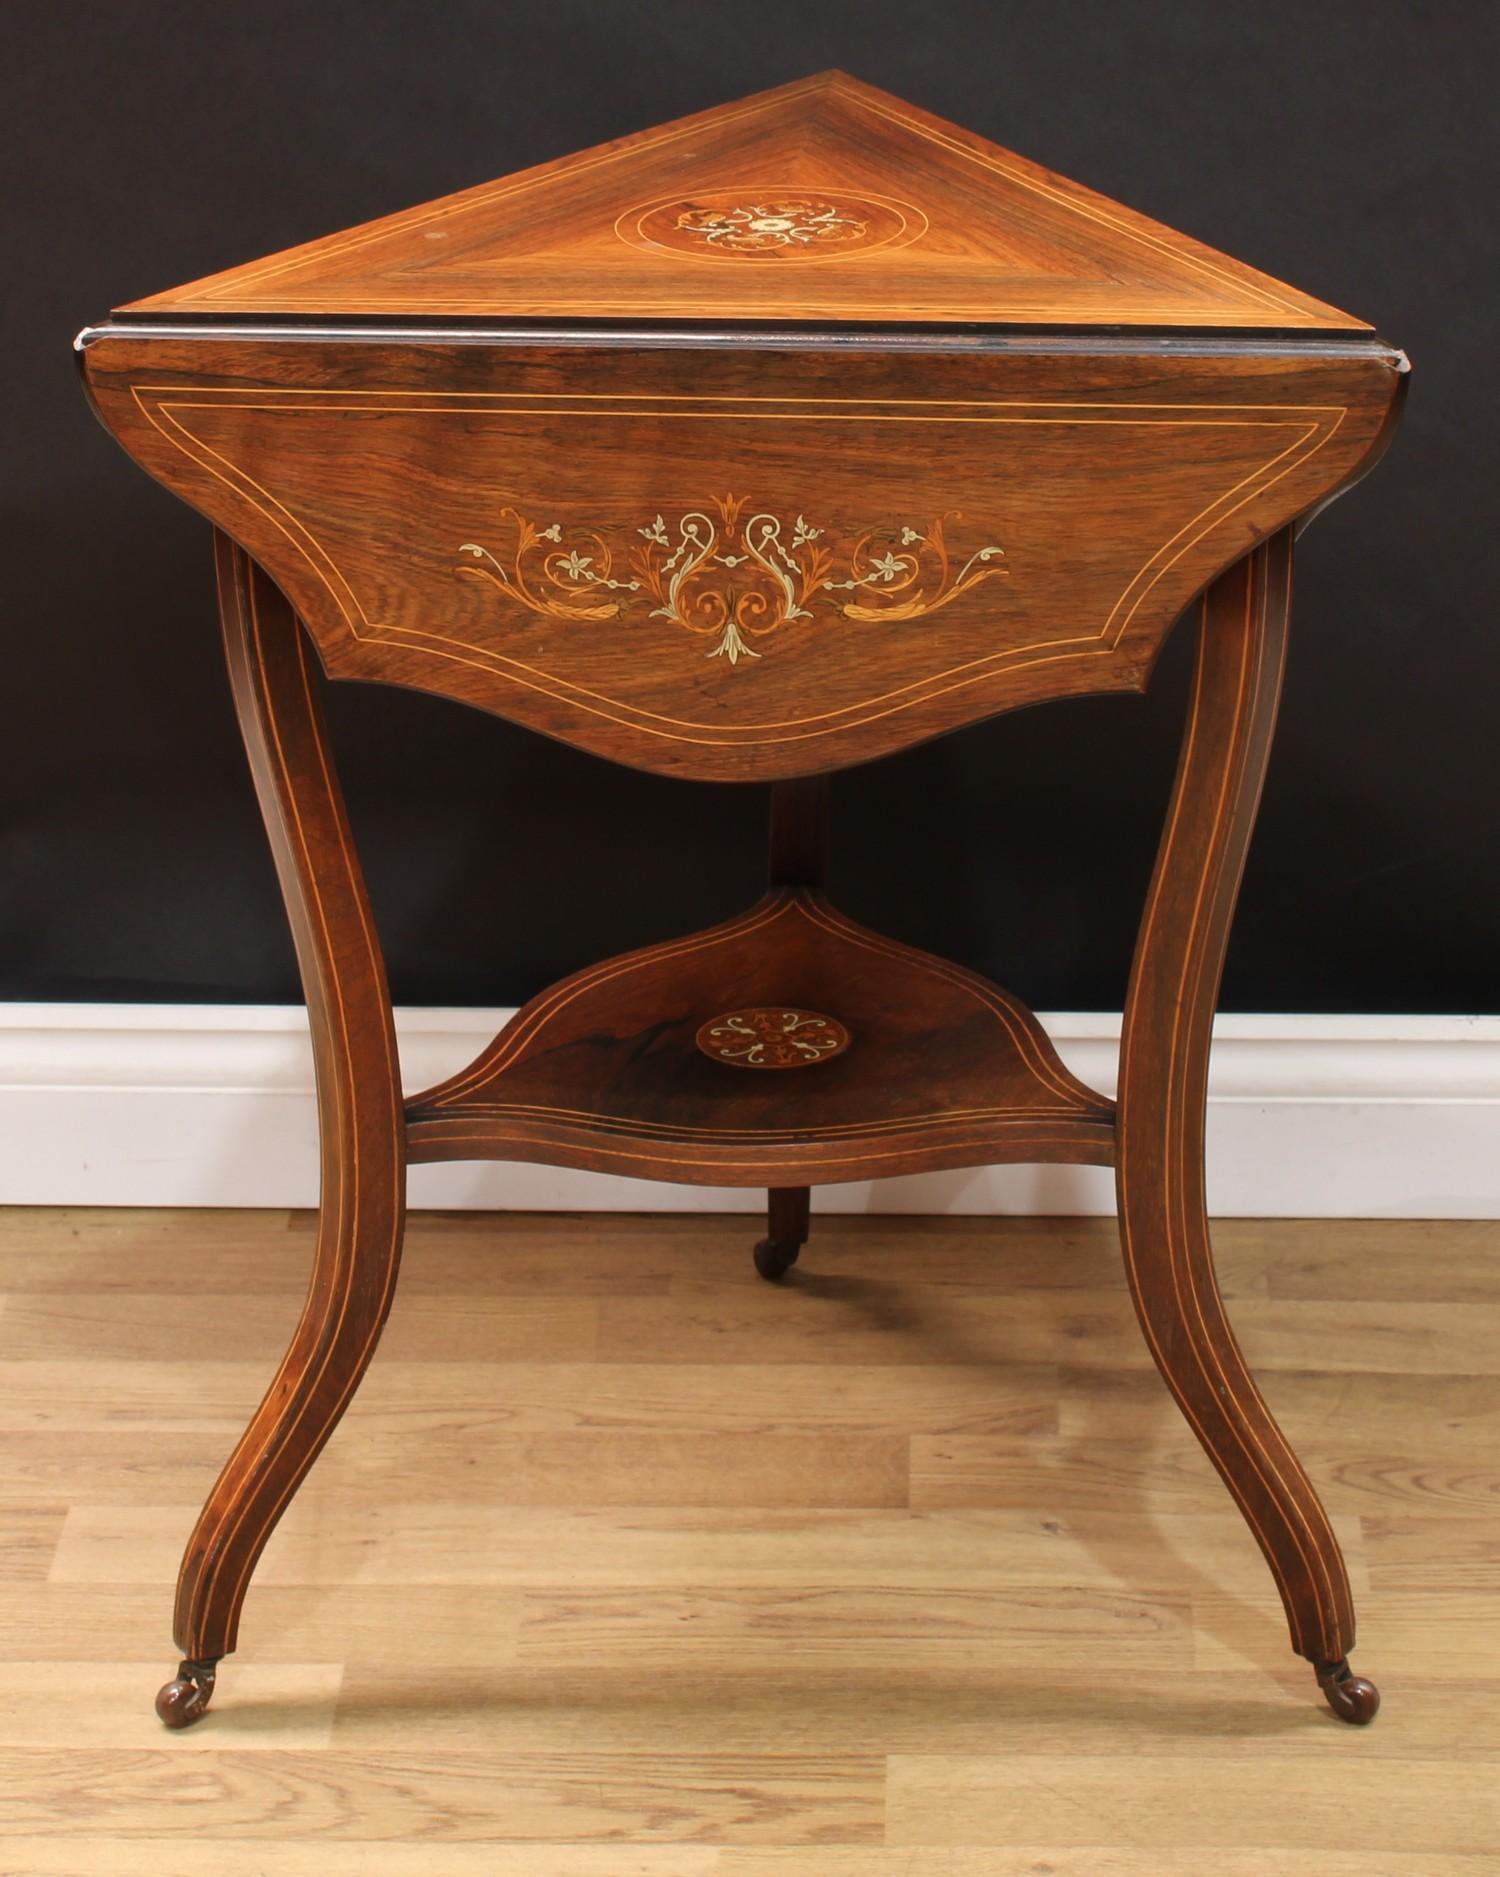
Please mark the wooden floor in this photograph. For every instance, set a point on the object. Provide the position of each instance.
(626, 1564)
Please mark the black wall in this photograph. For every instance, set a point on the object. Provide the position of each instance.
(1350, 148)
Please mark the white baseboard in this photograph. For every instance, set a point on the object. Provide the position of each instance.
(208, 1105)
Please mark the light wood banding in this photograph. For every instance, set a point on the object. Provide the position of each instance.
(359, 1107)
(1164, 1091)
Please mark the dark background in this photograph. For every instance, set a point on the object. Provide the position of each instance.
(1349, 148)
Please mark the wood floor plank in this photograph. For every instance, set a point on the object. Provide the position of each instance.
(237, 1260)
(1439, 1421)
(1388, 1261)
(285, 1706)
(598, 1468)
(831, 1320)
(1074, 1696)
(963, 1256)
(1097, 1475)
(726, 1628)
(403, 1452)
(112, 1468)
(1102, 1860)
(29, 1536)
(641, 1797)
(552, 1254)
(604, 1468)
(826, 1318)
(1263, 1799)
(153, 1400)
(1433, 1554)
(398, 1401)
(260, 1857)
(160, 1857)
(1168, 1472)
(399, 1626)
(1371, 1338)
(129, 1246)
(131, 1326)
(459, 1542)
(1405, 1635)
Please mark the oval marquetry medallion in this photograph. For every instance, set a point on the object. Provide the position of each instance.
(772, 1036)
(775, 222)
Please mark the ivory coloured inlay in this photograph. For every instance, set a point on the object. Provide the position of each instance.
(730, 577)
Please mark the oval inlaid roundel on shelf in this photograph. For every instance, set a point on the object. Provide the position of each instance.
(772, 1036)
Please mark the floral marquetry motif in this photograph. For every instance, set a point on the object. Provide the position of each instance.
(777, 224)
(772, 1037)
(763, 227)
(731, 577)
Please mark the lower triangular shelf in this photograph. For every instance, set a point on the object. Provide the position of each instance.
(920, 1065)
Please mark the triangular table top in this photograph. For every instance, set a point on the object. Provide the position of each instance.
(822, 200)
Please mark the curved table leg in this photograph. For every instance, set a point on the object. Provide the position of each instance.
(362, 1205)
(1163, 1093)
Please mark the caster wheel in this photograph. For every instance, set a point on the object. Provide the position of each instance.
(1351, 1697)
(773, 1259)
(185, 1698)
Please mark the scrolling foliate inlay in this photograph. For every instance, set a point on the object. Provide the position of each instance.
(729, 577)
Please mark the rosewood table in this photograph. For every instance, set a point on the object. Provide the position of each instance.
(745, 449)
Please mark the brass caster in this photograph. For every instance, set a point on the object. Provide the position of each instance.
(185, 1699)
(1351, 1697)
(774, 1258)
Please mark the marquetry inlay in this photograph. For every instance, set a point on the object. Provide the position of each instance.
(778, 223)
(729, 575)
(772, 1037)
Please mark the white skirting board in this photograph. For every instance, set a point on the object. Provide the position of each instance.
(212, 1105)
